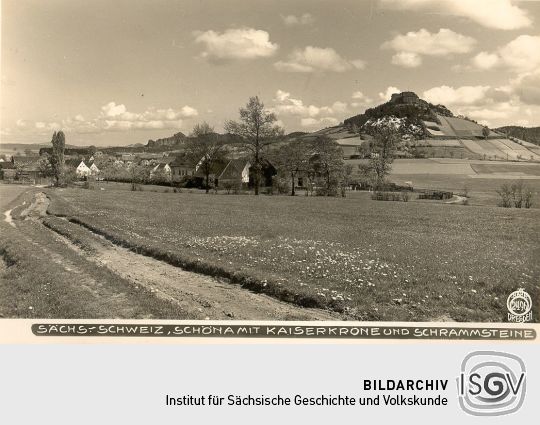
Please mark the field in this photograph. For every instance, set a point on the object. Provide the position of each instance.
(364, 259)
(481, 179)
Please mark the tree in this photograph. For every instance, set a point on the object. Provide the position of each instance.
(137, 174)
(291, 160)
(57, 157)
(257, 128)
(384, 143)
(205, 149)
(327, 163)
(345, 178)
(45, 167)
(485, 132)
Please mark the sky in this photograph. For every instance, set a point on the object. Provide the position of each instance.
(117, 72)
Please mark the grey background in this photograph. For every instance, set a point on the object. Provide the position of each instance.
(106, 384)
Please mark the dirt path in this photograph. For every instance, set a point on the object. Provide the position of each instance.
(201, 296)
(8, 219)
(457, 199)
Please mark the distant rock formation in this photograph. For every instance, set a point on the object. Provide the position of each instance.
(175, 140)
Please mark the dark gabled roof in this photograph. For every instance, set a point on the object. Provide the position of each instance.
(7, 165)
(72, 162)
(27, 163)
(182, 161)
(26, 159)
(160, 166)
(233, 170)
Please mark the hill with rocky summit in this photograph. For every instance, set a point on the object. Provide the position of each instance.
(406, 111)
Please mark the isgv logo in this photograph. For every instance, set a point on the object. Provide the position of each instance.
(491, 383)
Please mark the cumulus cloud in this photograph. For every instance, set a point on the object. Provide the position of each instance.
(407, 59)
(412, 46)
(498, 14)
(521, 55)
(111, 109)
(284, 104)
(386, 95)
(310, 115)
(449, 96)
(484, 60)
(292, 20)
(232, 44)
(483, 103)
(360, 99)
(114, 117)
(312, 59)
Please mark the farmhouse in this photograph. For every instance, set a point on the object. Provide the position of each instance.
(27, 168)
(161, 170)
(84, 170)
(8, 171)
(181, 168)
(94, 169)
(350, 146)
(240, 172)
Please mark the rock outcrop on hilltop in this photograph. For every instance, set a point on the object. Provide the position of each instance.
(406, 111)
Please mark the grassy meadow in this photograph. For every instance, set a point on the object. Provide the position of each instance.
(370, 260)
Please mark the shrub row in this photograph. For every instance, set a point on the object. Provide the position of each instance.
(435, 194)
(391, 196)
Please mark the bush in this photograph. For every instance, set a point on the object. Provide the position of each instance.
(405, 195)
(506, 196)
(231, 187)
(280, 185)
(386, 196)
(527, 198)
(517, 195)
(435, 195)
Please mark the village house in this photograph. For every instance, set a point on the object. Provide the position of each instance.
(84, 170)
(8, 171)
(181, 168)
(27, 168)
(239, 171)
(162, 170)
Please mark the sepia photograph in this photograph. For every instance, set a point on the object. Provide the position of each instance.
(270, 160)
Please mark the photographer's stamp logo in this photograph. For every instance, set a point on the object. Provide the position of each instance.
(519, 306)
(491, 383)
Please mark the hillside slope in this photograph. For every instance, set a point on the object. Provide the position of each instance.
(531, 134)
